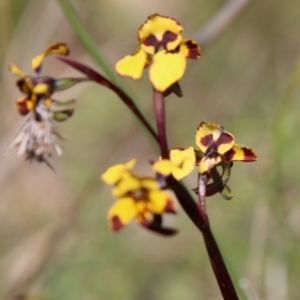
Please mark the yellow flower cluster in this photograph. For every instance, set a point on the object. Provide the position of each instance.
(142, 197)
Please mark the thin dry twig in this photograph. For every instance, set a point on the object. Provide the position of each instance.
(220, 21)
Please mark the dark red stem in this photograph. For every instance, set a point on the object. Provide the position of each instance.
(159, 109)
(200, 219)
(97, 77)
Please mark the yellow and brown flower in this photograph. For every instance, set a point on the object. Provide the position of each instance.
(139, 198)
(216, 145)
(162, 47)
(40, 88)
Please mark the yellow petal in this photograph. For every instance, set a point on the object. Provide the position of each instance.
(165, 30)
(166, 69)
(41, 89)
(164, 167)
(37, 61)
(181, 163)
(158, 201)
(16, 70)
(149, 183)
(132, 65)
(115, 173)
(184, 160)
(130, 164)
(29, 105)
(127, 183)
(121, 213)
(57, 48)
(179, 156)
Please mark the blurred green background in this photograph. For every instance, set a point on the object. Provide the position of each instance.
(54, 239)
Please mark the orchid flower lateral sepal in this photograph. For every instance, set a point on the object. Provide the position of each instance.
(163, 49)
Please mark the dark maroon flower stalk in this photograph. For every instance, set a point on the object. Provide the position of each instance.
(95, 76)
(159, 108)
(200, 219)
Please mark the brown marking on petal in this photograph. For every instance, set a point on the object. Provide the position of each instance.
(170, 208)
(116, 223)
(224, 138)
(249, 154)
(168, 37)
(151, 40)
(206, 140)
(194, 50)
(228, 155)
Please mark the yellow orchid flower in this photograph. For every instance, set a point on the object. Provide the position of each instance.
(162, 47)
(139, 198)
(217, 145)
